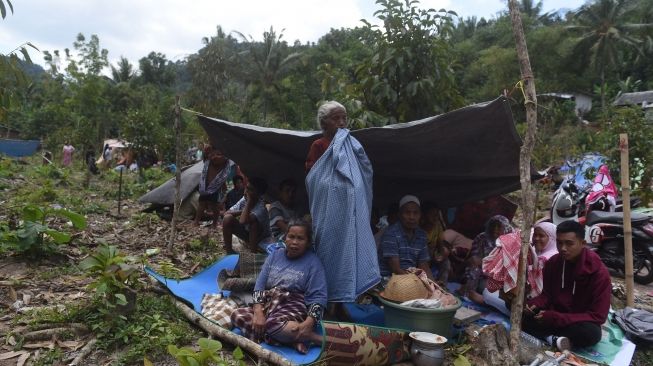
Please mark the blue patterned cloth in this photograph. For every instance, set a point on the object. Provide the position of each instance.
(339, 190)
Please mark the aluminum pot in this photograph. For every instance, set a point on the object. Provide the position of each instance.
(427, 349)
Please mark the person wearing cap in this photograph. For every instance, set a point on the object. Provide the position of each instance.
(404, 243)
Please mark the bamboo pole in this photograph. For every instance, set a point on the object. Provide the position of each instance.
(175, 213)
(525, 153)
(228, 336)
(628, 229)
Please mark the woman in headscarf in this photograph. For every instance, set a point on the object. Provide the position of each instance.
(483, 244)
(544, 240)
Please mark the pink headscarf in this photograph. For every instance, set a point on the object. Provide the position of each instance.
(603, 186)
(550, 249)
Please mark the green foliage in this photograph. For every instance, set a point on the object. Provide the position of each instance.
(632, 122)
(113, 276)
(207, 355)
(35, 237)
(409, 75)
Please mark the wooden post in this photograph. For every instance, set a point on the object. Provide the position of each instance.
(120, 191)
(525, 153)
(628, 230)
(175, 213)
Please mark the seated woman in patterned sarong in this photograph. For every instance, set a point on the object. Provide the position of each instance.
(290, 294)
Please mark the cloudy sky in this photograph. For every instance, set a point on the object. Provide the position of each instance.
(133, 28)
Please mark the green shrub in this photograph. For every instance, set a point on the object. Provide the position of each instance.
(34, 236)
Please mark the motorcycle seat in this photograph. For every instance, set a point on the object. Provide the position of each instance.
(595, 217)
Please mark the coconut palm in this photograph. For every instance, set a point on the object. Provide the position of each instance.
(604, 33)
(271, 60)
(123, 71)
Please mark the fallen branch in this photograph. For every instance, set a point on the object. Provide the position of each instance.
(226, 335)
(78, 327)
(44, 334)
(84, 352)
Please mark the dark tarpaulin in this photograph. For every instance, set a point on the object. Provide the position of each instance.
(461, 156)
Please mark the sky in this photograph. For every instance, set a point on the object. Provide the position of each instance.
(134, 28)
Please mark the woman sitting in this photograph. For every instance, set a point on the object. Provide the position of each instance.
(544, 240)
(290, 294)
(500, 266)
(483, 244)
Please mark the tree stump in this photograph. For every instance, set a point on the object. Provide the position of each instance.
(490, 346)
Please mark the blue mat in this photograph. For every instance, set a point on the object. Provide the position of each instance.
(18, 148)
(190, 290)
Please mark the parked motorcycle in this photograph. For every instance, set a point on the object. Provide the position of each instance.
(604, 230)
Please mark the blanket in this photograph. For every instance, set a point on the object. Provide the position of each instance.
(340, 197)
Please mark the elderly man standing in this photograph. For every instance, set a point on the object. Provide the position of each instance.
(404, 244)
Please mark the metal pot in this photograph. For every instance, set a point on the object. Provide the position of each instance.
(427, 349)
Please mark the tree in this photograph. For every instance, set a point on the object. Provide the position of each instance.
(123, 72)
(271, 61)
(12, 77)
(409, 74)
(604, 34)
(525, 154)
(156, 69)
(217, 78)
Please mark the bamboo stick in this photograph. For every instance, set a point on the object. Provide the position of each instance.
(175, 213)
(227, 336)
(628, 229)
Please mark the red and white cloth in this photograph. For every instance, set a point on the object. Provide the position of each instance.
(501, 265)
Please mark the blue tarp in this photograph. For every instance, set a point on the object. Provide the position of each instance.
(583, 170)
(18, 148)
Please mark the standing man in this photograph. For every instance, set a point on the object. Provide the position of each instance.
(575, 300)
(404, 243)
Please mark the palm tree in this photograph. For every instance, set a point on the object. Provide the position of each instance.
(271, 61)
(604, 34)
(123, 72)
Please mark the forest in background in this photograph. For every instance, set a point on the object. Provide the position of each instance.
(418, 63)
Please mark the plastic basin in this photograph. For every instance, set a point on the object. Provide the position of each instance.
(438, 321)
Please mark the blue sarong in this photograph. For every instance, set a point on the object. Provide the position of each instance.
(339, 190)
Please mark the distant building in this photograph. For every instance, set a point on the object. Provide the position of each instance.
(643, 99)
(583, 101)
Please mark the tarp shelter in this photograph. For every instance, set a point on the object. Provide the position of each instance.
(165, 194)
(18, 148)
(461, 156)
(115, 144)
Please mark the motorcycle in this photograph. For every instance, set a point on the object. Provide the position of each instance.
(604, 231)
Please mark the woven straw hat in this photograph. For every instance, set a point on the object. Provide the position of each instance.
(404, 287)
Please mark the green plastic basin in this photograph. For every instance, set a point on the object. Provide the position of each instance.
(438, 321)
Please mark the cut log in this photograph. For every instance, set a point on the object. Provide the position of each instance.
(234, 339)
(84, 352)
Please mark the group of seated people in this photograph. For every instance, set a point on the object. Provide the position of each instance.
(568, 290)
